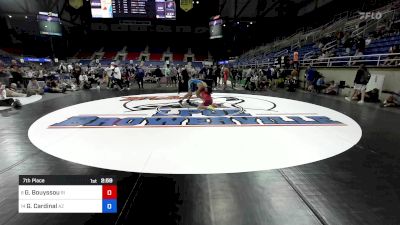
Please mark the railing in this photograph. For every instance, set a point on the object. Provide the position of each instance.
(344, 21)
(370, 60)
(308, 55)
(373, 59)
(281, 53)
(328, 46)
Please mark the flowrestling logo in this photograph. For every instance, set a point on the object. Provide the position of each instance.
(165, 111)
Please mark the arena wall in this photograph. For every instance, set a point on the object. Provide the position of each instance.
(391, 83)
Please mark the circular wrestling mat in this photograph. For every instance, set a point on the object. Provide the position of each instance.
(155, 134)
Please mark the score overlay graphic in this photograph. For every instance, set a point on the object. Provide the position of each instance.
(67, 194)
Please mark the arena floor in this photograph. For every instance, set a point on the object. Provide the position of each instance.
(359, 186)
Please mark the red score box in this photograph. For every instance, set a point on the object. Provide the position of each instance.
(109, 191)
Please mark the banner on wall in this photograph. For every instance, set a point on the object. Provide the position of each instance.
(186, 5)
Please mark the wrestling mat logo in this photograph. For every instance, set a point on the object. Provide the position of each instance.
(165, 111)
(155, 134)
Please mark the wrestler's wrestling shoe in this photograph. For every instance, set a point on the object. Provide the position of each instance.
(210, 107)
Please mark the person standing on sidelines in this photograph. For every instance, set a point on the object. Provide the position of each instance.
(360, 84)
(174, 75)
(139, 75)
(167, 73)
(233, 77)
(217, 74)
(159, 75)
(116, 76)
(225, 77)
(296, 63)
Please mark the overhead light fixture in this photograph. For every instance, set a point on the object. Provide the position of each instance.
(10, 16)
(197, 2)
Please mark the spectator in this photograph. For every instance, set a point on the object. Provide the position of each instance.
(217, 76)
(348, 43)
(158, 73)
(226, 77)
(393, 59)
(252, 86)
(174, 75)
(209, 73)
(339, 37)
(126, 77)
(53, 87)
(368, 40)
(296, 60)
(291, 84)
(331, 88)
(239, 76)
(233, 77)
(167, 73)
(34, 88)
(360, 84)
(4, 75)
(16, 73)
(393, 100)
(70, 68)
(84, 82)
(76, 72)
(203, 73)
(12, 91)
(263, 83)
(310, 78)
(320, 84)
(274, 77)
(360, 48)
(139, 75)
(4, 101)
(295, 74)
(248, 75)
(62, 68)
(184, 81)
(116, 76)
(286, 60)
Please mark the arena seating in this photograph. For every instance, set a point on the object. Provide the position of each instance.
(305, 41)
(382, 45)
(111, 51)
(156, 56)
(85, 56)
(133, 56)
(86, 52)
(178, 56)
(109, 55)
(6, 59)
